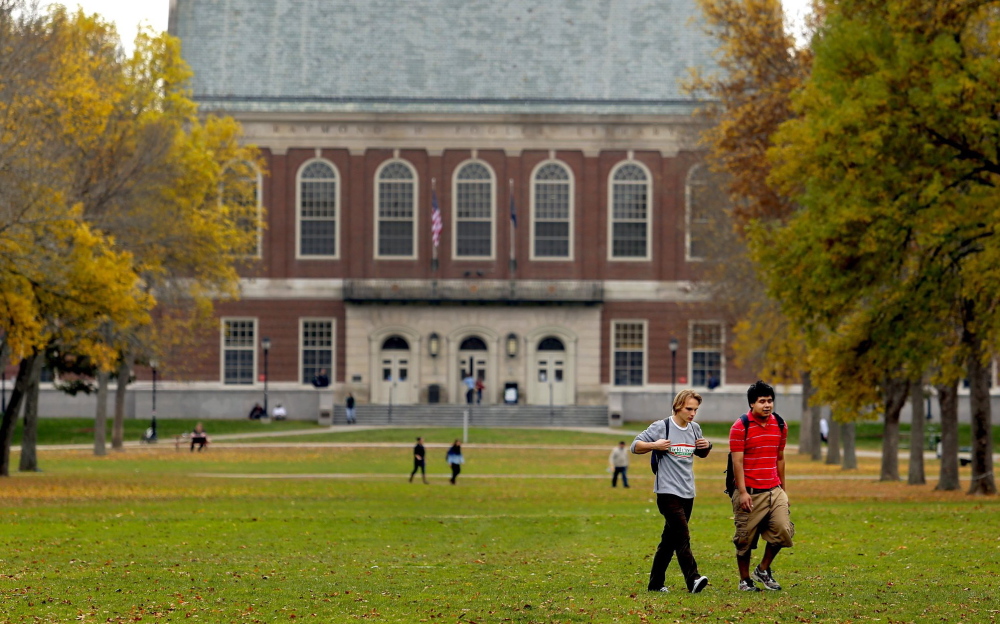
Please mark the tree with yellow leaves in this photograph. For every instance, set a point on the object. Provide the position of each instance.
(114, 146)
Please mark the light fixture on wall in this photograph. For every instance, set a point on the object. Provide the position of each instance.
(511, 344)
(434, 344)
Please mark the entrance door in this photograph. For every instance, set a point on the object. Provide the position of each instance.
(550, 364)
(395, 375)
(472, 357)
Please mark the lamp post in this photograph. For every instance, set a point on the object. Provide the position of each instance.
(266, 344)
(152, 424)
(673, 366)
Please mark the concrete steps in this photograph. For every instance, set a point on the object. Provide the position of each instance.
(479, 416)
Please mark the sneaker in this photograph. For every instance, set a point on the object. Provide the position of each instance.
(764, 578)
(748, 586)
(662, 589)
(699, 584)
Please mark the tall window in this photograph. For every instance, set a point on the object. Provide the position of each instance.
(629, 352)
(474, 212)
(706, 352)
(318, 210)
(630, 193)
(241, 195)
(551, 201)
(396, 213)
(317, 347)
(706, 209)
(239, 346)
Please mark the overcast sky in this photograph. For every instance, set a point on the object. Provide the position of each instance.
(127, 14)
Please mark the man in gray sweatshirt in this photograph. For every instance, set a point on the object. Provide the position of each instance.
(676, 440)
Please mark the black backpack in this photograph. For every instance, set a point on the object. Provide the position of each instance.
(654, 456)
(730, 475)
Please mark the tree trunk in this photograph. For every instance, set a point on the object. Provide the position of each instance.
(815, 439)
(850, 461)
(982, 439)
(916, 472)
(29, 437)
(895, 397)
(833, 442)
(948, 402)
(805, 425)
(101, 417)
(9, 420)
(121, 390)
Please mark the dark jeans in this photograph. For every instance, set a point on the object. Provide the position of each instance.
(623, 471)
(676, 513)
(455, 469)
(418, 464)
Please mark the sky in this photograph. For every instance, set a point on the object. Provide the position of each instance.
(127, 14)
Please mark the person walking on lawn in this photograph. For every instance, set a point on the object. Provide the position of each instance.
(760, 504)
(676, 440)
(419, 463)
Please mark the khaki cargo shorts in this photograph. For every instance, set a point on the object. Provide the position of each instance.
(770, 518)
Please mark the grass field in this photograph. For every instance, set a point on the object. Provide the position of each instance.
(337, 534)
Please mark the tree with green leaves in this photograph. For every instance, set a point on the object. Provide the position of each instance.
(894, 159)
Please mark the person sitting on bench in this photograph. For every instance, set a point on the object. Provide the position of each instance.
(199, 437)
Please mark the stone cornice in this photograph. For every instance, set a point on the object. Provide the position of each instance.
(590, 134)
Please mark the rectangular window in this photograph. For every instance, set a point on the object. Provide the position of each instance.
(395, 218)
(629, 233)
(474, 216)
(552, 213)
(706, 353)
(629, 353)
(239, 348)
(317, 348)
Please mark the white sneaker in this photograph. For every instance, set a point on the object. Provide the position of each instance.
(699, 584)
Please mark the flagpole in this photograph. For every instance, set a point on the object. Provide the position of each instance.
(434, 247)
(513, 259)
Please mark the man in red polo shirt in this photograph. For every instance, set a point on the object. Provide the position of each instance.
(760, 505)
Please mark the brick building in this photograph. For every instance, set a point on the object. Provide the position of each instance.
(561, 152)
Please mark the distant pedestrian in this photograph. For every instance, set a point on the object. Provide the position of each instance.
(455, 459)
(619, 461)
(480, 386)
(470, 388)
(418, 460)
(321, 380)
(349, 408)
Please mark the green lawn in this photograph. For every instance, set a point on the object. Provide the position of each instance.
(527, 535)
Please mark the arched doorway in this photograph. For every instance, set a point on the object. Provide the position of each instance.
(472, 360)
(395, 371)
(550, 371)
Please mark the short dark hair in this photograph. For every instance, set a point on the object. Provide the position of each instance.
(758, 389)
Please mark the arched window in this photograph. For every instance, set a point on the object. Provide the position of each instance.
(551, 344)
(473, 343)
(241, 195)
(630, 192)
(395, 343)
(317, 210)
(474, 210)
(551, 208)
(705, 215)
(395, 233)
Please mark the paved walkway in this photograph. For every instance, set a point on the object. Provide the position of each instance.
(264, 435)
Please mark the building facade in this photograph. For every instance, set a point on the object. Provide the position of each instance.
(510, 191)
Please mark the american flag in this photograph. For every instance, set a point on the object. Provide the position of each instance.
(436, 224)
